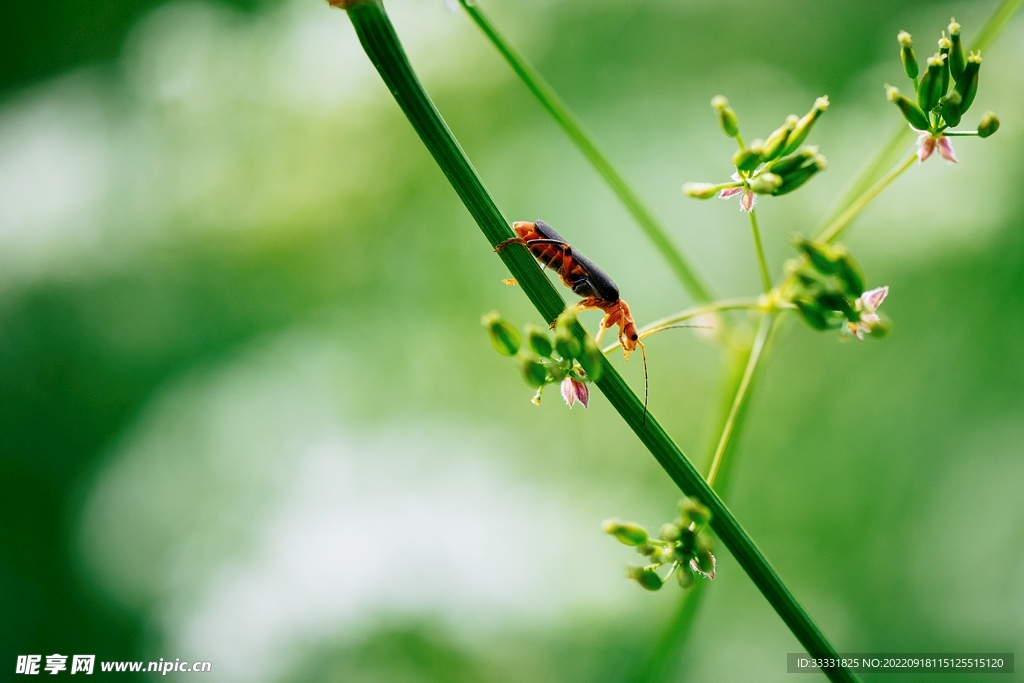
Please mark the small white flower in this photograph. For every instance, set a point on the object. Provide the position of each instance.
(867, 305)
(927, 144)
(747, 201)
(573, 390)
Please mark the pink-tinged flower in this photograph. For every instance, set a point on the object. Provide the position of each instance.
(695, 566)
(574, 390)
(867, 305)
(747, 201)
(927, 144)
(946, 150)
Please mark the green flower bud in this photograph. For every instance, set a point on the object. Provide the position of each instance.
(726, 116)
(568, 347)
(539, 341)
(645, 576)
(645, 549)
(967, 85)
(911, 112)
(928, 92)
(766, 183)
(557, 371)
(592, 360)
(566, 343)
(957, 58)
(504, 338)
(701, 190)
(694, 511)
(850, 274)
(907, 54)
(793, 161)
(776, 142)
(804, 125)
(833, 301)
(944, 46)
(823, 257)
(949, 107)
(684, 575)
(989, 124)
(627, 533)
(750, 158)
(669, 532)
(813, 314)
(534, 372)
(794, 179)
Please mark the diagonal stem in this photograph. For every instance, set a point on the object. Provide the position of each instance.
(657, 665)
(996, 23)
(676, 319)
(382, 46)
(762, 263)
(732, 420)
(569, 123)
(835, 228)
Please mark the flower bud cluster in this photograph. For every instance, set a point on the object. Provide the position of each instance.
(681, 544)
(776, 165)
(549, 359)
(947, 88)
(828, 291)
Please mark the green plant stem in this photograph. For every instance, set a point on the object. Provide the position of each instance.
(569, 123)
(657, 666)
(834, 229)
(697, 311)
(996, 23)
(766, 278)
(676, 319)
(382, 46)
(732, 420)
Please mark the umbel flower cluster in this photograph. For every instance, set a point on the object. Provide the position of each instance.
(681, 545)
(777, 165)
(938, 106)
(828, 291)
(545, 360)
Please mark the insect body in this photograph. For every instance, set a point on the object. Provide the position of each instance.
(579, 274)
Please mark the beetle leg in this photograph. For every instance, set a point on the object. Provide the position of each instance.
(510, 241)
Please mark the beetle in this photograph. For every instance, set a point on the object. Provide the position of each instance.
(581, 275)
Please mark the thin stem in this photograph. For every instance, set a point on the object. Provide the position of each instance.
(886, 156)
(739, 400)
(564, 117)
(657, 666)
(382, 46)
(836, 227)
(697, 311)
(996, 23)
(766, 278)
(960, 133)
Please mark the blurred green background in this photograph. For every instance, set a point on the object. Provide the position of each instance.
(249, 415)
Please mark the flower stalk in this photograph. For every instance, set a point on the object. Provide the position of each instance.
(379, 40)
(568, 121)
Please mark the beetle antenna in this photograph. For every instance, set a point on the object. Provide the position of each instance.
(676, 327)
(643, 355)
